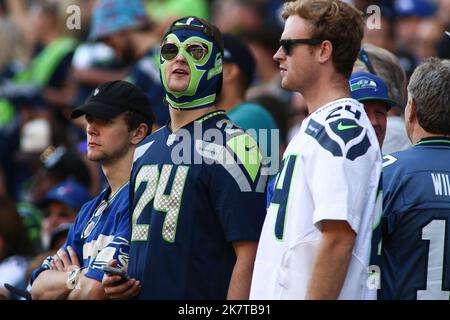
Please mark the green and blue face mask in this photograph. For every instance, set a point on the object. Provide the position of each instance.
(194, 41)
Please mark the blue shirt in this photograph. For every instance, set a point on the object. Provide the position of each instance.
(100, 233)
(187, 211)
(415, 226)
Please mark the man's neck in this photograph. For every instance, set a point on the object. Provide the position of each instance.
(419, 133)
(180, 118)
(325, 91)
(229, 101)
(118, 171)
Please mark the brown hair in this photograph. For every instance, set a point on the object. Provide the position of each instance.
(332, 20)
(134, 119)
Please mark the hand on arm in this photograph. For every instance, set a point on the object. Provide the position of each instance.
(52, 284)
(116, 289)
(239, 288)
(332, 260)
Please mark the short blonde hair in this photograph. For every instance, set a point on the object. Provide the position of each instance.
(332, 20)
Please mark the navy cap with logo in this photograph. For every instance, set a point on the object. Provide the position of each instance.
(112, 98)
(366, 86)
(68, 192)
(236, 51)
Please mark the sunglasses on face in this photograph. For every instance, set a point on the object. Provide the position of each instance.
(289, 44)
(170, 51)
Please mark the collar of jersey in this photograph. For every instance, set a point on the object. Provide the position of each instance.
(436, 141)
(204, 117)
(115, 194)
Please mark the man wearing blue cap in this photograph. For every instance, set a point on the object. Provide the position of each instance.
(198, 184)
(372, 92)
(118, 117)
(61, 205)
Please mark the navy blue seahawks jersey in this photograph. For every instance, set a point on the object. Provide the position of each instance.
(100, 233)
(193, 193)
(415, 257)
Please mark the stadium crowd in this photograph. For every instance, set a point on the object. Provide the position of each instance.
(55, 54)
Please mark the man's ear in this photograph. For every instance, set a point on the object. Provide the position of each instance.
(413, 111)
(230, 72)
(139, 133)
(326, 51)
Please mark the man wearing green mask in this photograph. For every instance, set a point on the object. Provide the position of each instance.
(197, 186)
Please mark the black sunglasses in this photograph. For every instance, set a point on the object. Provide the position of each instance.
(289, 44)
(170, 51)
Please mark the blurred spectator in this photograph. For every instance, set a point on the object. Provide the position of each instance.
(263, 45)
(32, 219)
(383, 37)
(58, 164)
(409, 14)
(61, 205)
(126, 27)
(164, 12)
(15, 248)
(444, 12)
(238, 16)
(49, 68)
(386, 65)
(238, 72)
(14, 54)
(280, 113)
(429, 33)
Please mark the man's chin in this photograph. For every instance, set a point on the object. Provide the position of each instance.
(95, 157)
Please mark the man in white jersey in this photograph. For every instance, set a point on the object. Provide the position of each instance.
(315, 242)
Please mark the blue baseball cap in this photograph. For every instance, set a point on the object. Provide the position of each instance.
(414, 8)
(68, 192)
(366, 86)
(111, 16)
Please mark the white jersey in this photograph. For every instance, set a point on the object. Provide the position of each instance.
(330, 171)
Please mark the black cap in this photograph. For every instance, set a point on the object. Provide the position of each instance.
(236, 51)
(112, 98)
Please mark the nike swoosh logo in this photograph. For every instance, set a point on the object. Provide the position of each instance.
(247, 148)
(342, 127)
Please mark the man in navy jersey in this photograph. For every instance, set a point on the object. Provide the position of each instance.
(416, 200)
(118, 117)
(197, 186)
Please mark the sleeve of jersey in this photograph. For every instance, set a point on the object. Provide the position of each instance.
(339, 181)
(239, 201)
(118, 248)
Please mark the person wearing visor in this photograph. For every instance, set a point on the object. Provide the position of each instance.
(197, 186)
(118, 117)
